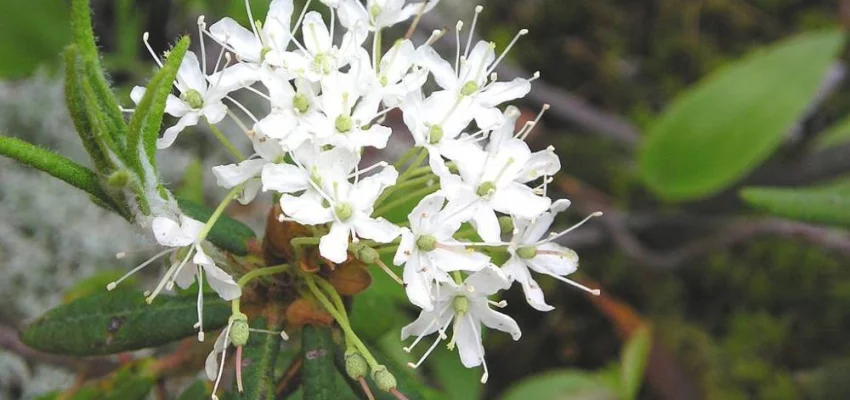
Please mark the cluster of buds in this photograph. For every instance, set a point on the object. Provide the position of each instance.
(477, 187)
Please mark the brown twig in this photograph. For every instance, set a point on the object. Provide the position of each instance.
(290, 380)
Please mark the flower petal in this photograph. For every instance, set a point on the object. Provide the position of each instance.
(417, 284)
(169, 233)
(377, 229)
(238, 39)
(443, 72)
(364, 193)
(467, 335)
(173, 105)
(170, 135)
(190, 76)
(562, 261)
(284, 178)
(222, 283)
(541, 163)
(495, 320)
(334, 245)
(406, 247)
(487, 224)
(428, 322)
(137, 93)
(351, 13)
(487, 281)
(497, 93)
(229, 176)
(458, 259)
(317, 39)
(425, 210)
(518, 199)
(516, 270)
(306, 209)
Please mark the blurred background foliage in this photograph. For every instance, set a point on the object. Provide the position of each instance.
(742, 306)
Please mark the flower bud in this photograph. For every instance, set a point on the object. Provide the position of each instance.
(367, 254)
(239, 329)
(118, 179)
(355, 364)
(383, 378)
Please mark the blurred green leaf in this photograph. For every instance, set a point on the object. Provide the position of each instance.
(29, 39)
(827, 204)
(192, 186)
(835, 135)
(119, 321)
(562, 384)
(368, 324)
(456, 381)
(196, 391)
(318, 377)
(634, 360)
(227, 233)
(258, 362)
(95, 283)
(716, 132)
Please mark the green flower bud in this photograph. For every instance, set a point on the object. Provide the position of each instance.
(355, 364)
(469, 88)
(239, 330)
(486, 189)
(193, 98)
(118, 179)
(367, 254)
(527, 252)
(383, 378)
(461, 305)
(300, 103)
(435, 134)
(343, 211)
(343, 123)
(506, 224)
(426, 243)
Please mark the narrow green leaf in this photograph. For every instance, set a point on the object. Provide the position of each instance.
(318, 378)
(59, 167)
(457, 381)
(634, 360)
(729, 123)
(835, 135)
(227, 233)
(259, 357)
(561, 384)
(78, 109)
(92, 71)
(826, 204)
(30, 39)
(118, 321)
(144, 125)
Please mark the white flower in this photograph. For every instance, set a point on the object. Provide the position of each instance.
(293, 111)
(466, 307)
(397, 76)
(259, 45)
(183, 242)
(477, 93)
(377, 14)
(330, 198)
(488, 182)
(429, 252)
(530, 251)
(348, 114)
(211, 366)
(268, 152)
(198, 97)
(319, 57)
(540, 164)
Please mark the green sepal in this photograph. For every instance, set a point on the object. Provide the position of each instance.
(143, 129)
(318, 378)
(227, 233)
(59, 167)
(119, 321)
(406, 383)
(92, 72)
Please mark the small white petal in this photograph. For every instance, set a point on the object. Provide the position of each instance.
(334, 244)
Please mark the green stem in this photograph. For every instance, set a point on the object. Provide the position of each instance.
(218, 211)
(299, 243)
(234, 306)
(226, 143)
(413, 166)
(254, 274)
(406, 156)
(417, 194)
(343, 323)
(387, 249)
(404, 185)
(337, 300)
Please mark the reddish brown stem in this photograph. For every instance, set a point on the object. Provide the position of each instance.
(366, 389)
(398, 394)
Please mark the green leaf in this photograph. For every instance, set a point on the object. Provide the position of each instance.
(827, 204)
(146, 120)
(319, 375)
(59, 167)
(95, 283)
(29, 39)
(561, 384)
(227, 233)
(195, 391)
(79, 111)
(259, 357)
(456, 381)
(835, 135)
(371, 325)
(119, 321)
(192, 187)
(730, 122)
(634, 359)
(92, 72)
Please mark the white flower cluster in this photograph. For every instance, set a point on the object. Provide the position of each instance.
(328, 100)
